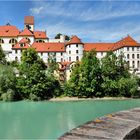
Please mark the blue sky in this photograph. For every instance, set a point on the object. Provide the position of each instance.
(92, 21)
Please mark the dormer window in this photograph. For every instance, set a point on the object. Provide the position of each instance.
(22, 45)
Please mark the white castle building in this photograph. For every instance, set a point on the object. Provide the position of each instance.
(13, 42)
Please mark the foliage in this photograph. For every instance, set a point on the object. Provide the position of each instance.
(2, 57)
(86, 77)
(33, 82)
(59, 34)
(7, 83)
(97, 78)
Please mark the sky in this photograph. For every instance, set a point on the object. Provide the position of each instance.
(92, 21)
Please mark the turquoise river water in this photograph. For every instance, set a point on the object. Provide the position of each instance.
(49, 120)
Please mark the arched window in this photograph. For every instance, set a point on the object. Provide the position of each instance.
(77, 58)
(138, 56)
(69, 58)
(13, 41)
(1, 41)
(133, 64)
(76, 51)
(127, 56)
(138, 64)
(133, 56)
(128, 63)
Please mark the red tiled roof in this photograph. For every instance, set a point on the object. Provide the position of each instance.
(23, 40)
(40, 34)
(65, 63)
(127, 41)
(29, 20)
(8, 31)
(17, 46)
(99, 47)
(74, 40)
(26, 32)
(49, 47)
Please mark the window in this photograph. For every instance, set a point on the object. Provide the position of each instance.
(127, 48)
(61, 59)
(101, 53)
(1, 41)
(133, 64)
(13, 41)
(69, 52)
(133, 56)
(76, 45)
(69, 58)
(22, 45)
(61, 53)
(138, 64)
(40, 41)
(133, 49)
(137, 48)
(69, 46)
(21, 51)
(138, 56)
(28, 39)
(77, 58)
(16, 59)
(41, 53)
(76, 51)
(127, 56)
(128, 63)
(15, 51)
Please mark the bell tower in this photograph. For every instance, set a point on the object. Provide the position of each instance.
(29, 22)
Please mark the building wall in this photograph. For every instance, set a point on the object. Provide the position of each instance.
(74, 52)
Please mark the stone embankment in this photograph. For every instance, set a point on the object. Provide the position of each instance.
(117, 126)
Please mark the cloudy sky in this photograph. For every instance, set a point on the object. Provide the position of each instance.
(92, 21)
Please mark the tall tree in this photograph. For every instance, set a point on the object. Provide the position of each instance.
(87, 76)
(33, 82)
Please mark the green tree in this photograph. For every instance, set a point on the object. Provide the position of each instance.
(7, 83)
(33, 82)
(59, 34)
(86, 77)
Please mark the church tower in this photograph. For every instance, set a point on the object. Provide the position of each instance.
(29, 22)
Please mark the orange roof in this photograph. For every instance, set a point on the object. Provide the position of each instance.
(23, 40)
(26, 32)
(99, 47)
(29, 20)
(65, 63)
(17, 46)
(49, 47)
(127, 41)
(8, 31)
(40, 34)
(74, 40)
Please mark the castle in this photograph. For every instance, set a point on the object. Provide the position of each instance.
(13, 42)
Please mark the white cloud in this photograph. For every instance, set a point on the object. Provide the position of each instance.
(88, 29)
(36, 10)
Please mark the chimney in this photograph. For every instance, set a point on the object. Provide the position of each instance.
(62, 38)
